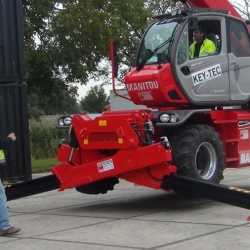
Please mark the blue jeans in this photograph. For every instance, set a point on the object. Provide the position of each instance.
(4, 217)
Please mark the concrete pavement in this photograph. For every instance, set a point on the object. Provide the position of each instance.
(130, 217)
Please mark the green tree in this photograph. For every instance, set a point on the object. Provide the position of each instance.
(83, 31)
(158, 7)
(67, 41)
(95, 100)
(38, 107)
(44, 77)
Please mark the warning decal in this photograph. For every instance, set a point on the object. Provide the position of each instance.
(145, 96)
(244, 134)
(105, 165)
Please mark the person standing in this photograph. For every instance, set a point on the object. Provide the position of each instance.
(5, 226)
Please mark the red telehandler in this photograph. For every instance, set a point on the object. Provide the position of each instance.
(201, 127)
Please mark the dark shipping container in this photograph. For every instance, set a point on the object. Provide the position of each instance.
(12, 66)
(13, 93)
(14, 118)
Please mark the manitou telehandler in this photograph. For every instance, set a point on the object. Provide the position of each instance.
(201, 127)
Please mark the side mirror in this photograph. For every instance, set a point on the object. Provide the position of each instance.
(116, 63)
(115, 46)
(193, 23)
(114, 56)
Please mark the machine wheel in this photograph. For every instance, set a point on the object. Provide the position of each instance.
(198, 153)
(98, 187)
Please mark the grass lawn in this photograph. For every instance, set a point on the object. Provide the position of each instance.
(43, 165)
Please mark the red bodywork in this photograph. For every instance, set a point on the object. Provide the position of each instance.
(152, 88)
(234, 129)
(110, 145)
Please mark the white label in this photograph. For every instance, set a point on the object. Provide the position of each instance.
(244, 134)
(244, 158)
(142, 86)
(206, 74)
(105, 165)
(243, 123)
(145, 96)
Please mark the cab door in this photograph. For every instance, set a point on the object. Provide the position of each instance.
(204, 80)
(239, 60)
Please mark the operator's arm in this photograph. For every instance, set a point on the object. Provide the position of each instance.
(210, 47)
(5, 142)
(191, 50)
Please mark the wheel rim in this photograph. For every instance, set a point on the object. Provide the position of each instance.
(206, 160)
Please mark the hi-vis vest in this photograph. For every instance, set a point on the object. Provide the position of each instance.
(207, 48)
(2, 158)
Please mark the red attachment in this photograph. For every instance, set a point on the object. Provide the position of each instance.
(108, 132)
(109, 146)
(124, 161)
(151, 177)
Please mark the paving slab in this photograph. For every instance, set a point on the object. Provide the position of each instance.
(37, 244)
(124, 206)
(232, 238)
(133, 233)
(39, 224)
(213, 213)
(130, 217)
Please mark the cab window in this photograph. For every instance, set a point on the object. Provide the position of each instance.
(210, 33)
(239, 43)
(182, 49)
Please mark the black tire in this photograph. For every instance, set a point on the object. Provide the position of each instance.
(198, 153)
(99, 187)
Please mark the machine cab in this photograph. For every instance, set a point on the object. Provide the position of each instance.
(167, 74)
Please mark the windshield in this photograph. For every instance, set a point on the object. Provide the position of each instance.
(157, 40)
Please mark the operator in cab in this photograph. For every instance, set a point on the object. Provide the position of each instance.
(201, 45)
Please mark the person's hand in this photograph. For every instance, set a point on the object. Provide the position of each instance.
(12, 136)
